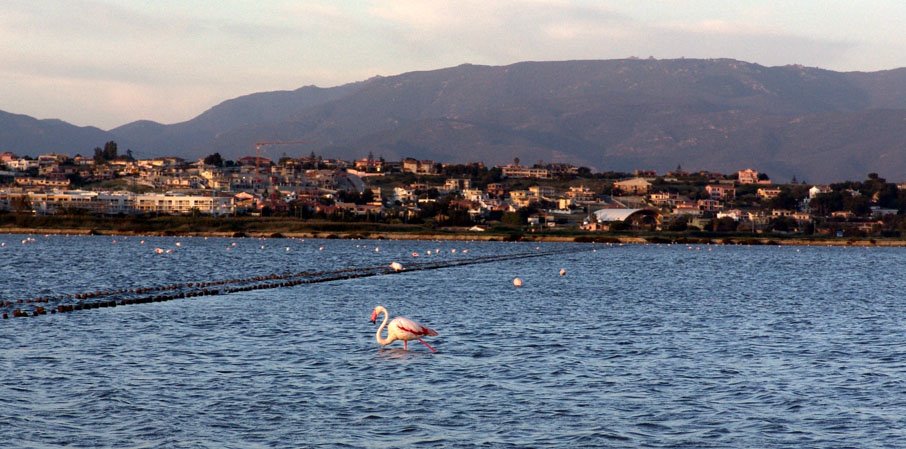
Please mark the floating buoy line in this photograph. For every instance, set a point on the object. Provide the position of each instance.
(44, 305)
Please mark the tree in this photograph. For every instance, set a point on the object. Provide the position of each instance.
(888, 196)
(858, 205)
(724, 224)
(678, 224)
(901, 200)
(784, 200)
(783, 224)
(110, 151)
(512, 219)
(214, 159)
(824, 204)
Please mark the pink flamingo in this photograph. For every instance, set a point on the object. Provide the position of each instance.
(400, 328)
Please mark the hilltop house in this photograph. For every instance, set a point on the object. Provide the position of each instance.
(637, 186)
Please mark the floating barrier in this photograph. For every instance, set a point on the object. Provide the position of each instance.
(144, 295)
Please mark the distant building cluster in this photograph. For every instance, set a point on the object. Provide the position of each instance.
(376, 189)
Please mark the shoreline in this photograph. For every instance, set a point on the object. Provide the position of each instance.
(385, 235)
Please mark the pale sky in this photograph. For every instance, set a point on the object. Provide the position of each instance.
(109, 62)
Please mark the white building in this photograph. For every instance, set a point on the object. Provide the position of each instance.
(112, 203)
(169, 203)
(818, 190)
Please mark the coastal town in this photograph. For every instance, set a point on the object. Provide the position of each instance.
(541, 197)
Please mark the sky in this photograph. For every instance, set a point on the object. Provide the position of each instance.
(106, 63)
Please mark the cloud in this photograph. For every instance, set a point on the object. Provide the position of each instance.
(764, 44)
(509, 30)
(177, 59)
(441, 33)
(105, 104)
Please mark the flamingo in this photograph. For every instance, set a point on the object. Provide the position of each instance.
(400, 328)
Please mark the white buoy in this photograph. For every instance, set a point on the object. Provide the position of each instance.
(517, 282)
(396, 266)
(563, 272)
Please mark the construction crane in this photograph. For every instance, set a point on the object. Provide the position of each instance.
(258, 146)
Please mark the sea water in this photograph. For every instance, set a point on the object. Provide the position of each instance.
(635, 346)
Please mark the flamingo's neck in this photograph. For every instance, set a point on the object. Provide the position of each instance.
(377, 335)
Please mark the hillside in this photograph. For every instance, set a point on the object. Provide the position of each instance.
(193, 138)
(719, 115)
(27, 135)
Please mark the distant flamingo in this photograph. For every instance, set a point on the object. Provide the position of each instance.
(400, 328)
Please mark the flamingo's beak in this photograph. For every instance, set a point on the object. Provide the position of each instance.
(373, 317)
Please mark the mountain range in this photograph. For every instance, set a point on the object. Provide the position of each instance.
(716, 114)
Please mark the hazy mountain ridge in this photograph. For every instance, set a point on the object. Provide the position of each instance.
(194, 136)
(719, 115)
(18, 132)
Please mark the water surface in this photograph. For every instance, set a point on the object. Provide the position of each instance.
(637, 346)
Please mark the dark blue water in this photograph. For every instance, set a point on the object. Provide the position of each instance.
(637, 346)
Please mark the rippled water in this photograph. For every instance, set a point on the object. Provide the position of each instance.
(637, 346)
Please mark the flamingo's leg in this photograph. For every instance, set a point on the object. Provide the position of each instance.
(405, 345)
(426, 344)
